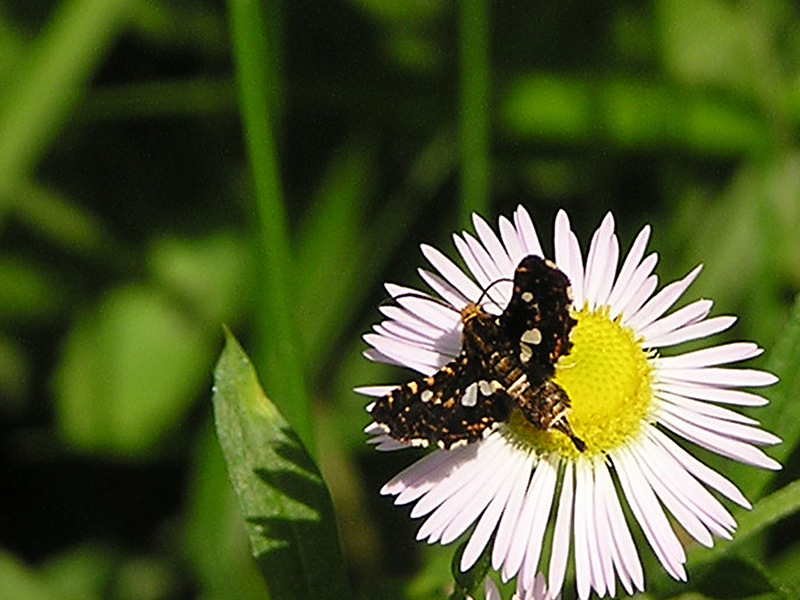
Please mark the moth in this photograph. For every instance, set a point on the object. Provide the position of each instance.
(506, 363)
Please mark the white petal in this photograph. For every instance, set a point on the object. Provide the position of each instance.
(697, 469)
(703, 408)
(489, 519)
(691, 313)
(490, 591)
(640, 296)
(420, 359)
(710, 393)
(427, 309)
(661, 302)
(568, 256)
(493, 245)
(443, 289)
(716, 442)
(409, 320)
(416, 479)
(451, 273)
(601, 263)
(374, 391)
(485, 271)
(649, 514)
(512, 514)
(527, 538)
(629, 267)
(694, 331)
(511, 241)
(719, 376)
(708, 357)
(527, 232)
(626, 558)
(560, 548)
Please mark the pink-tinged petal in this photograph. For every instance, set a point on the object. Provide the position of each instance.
(729, 429)
(428, 309)
(374, 391)
(710, 357)
(695, 331)
(639, 298)
(419, 359)
(629, 267)
(510, 521)
(411, 321)
(661, 302)
(698, 470)
(637, 280)
(560, 549)
(488, 522)
(528, 537)
(443, 289)
(626, 558)
(527, 232)
(719, 443)
(568, 256)
(451, 273)
(649, 514)
(719, 376)
(493, 246)
(711, 393)
(691, 407)
(511, 241)
(496, 291)
(601, 263)
(490, 591)
(687, 315)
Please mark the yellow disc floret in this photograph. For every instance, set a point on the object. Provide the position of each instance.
(607, 376)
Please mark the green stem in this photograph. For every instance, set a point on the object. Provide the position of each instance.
(474, 115)
(276, 348)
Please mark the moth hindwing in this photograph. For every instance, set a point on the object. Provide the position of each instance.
(506, 363)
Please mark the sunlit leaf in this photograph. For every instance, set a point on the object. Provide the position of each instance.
(285, 502)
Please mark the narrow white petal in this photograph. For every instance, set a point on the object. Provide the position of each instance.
(490, 591)
(421, 476)
(560, 548)
(485, 271)
(697, 469)
(527, 538)
(720, 376)
(448, 344)
(691, 313)
(635, 282)
(427, 309)
(511, 518)
(629, 266)
(711, 393)
(527, 232)
(384, 443)
(601, 263)
(424, 361)
(601, 532)
(588, 567)
(639, 298)
(511, 241)
(489, 519)
(673, 504)
(704, 408)
(649, 514)
(409, 320)
(728, 429)
(443, 289)
(662, 302)
(721, 444)
(493, 246)
(451, 272)
(374, 391)
(488, 263)
(694, 331)
(627, 562)
(709, 357)
(473, 264)
(568, 256)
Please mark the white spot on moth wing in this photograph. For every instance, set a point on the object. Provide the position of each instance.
(526, 297)
(457, 444)
(370, 406)
(525, 353)
(532, 336)
(419, 442)
(485, 387)
(470, 397)
(426, 396)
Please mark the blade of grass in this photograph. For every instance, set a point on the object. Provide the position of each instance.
(276, 343)
(474, 115)
(39, 95)
(286, 504)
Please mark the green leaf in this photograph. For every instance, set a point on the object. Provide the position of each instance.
(20, 583)
(129, 371)
(285, 502)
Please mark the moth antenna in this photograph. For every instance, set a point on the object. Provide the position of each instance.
(485, 292)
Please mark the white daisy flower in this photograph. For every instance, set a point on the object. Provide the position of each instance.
(629, 404)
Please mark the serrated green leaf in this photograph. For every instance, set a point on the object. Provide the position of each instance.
(286, 505)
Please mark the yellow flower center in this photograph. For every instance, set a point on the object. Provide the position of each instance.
(607, 376)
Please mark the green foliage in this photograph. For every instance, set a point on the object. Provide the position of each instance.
(169, 166)
(290, 519)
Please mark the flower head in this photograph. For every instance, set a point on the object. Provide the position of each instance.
(627, 405)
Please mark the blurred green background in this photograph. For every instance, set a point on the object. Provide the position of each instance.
(132, 225)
